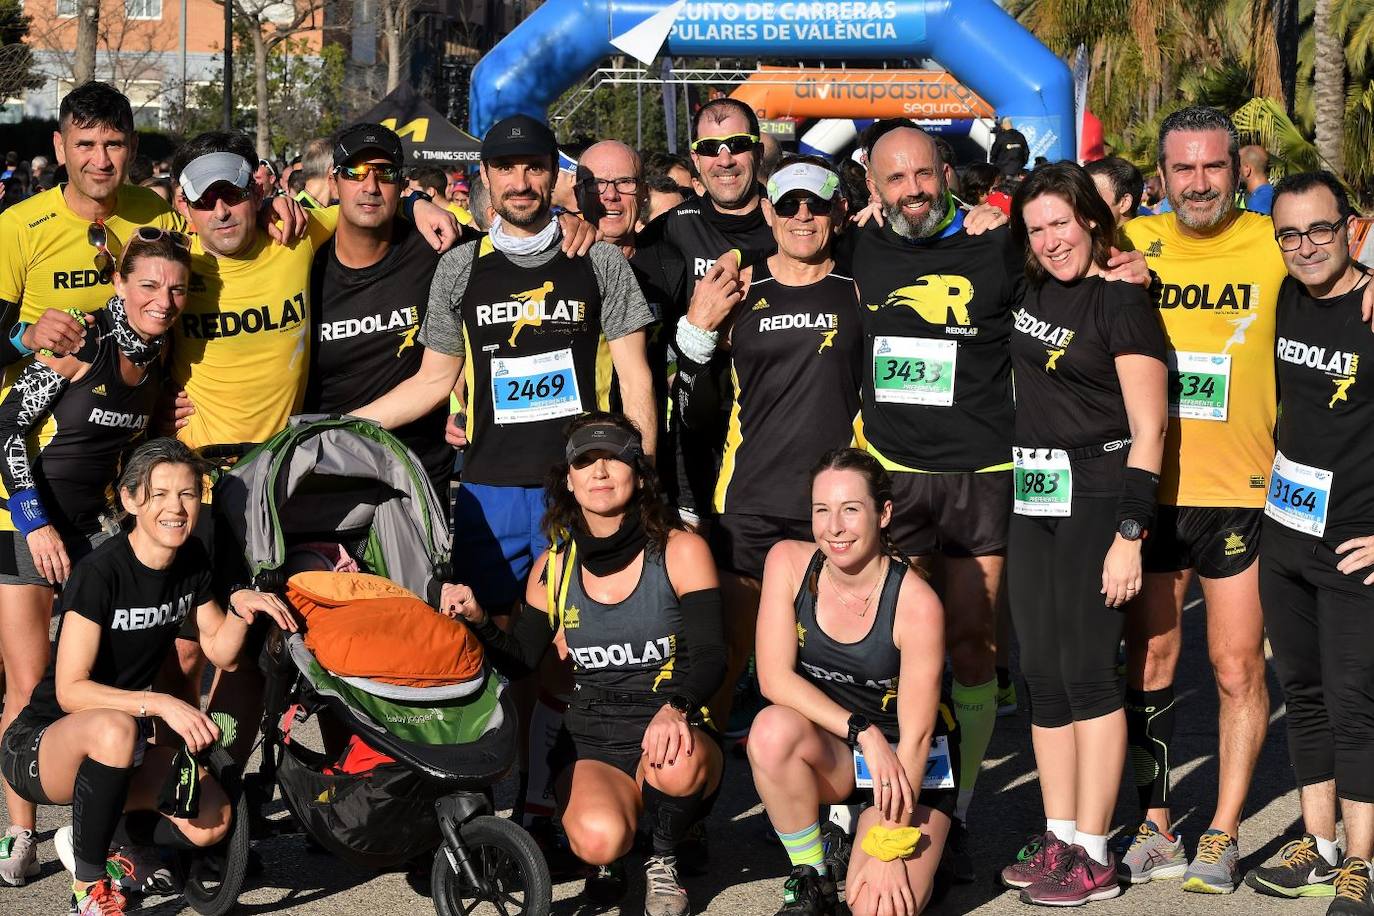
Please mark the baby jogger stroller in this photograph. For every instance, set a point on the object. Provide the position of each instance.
(421, 726)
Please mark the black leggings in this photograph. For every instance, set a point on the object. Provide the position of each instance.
(1068, 635)
(1321, 627)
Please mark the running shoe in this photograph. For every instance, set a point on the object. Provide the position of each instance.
(807, 892)
(1079, 879)
(837, 843)
(18, 856)
(957, 862)
(1006, 700)
(1216, 867)
(606, 884)
(1040, 856)
(145, 871)
(1152, 856)
(664, 894)
(99, 899)
(1354, 896)
(693, 851)
(1301, 872)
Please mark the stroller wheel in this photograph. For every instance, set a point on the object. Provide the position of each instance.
(215, 876)
(512, 878)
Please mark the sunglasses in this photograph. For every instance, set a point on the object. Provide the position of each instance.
(154, 234)
(737, 144)
(98, 237)
(386, 174)
(789, 206)
(232, 195)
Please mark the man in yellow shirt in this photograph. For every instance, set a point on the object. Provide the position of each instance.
(59, 248)
(1219, 271)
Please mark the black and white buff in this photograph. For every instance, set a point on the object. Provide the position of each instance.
(140, 352)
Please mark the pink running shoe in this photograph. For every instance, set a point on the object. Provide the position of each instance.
(1040, 856)
(1078, 880)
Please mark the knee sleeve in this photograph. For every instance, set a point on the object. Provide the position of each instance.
(537, 789)
(670, 817)
(1150, 731)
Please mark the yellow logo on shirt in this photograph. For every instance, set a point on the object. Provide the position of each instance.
(98, 389)
(827, 340)
(801, 635)
(407, 339)
(527, 317)
(1052, 362)
(531, 308)
(571, 619)
(937, 298)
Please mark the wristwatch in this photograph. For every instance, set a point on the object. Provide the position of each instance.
(681, 704)
(858, 723)
(1130, 530)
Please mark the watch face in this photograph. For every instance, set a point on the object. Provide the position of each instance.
(1130, 529)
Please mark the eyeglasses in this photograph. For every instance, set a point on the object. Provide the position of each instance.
(231, 194)
(789, 206)
(386, 174)
(1318, 234)
(737, 144)
(627, 185)
(98, 237)
(154, 234)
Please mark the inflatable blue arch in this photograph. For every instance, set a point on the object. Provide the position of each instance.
(981, 45)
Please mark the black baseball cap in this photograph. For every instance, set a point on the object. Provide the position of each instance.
(363, 138)
(620, 444)
(518, 135)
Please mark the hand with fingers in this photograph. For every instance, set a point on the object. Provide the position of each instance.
(1121, 572)
(667, 739)
(892, 794)
(458, 601)
(49, 554)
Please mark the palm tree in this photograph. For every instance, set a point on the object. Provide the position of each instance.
(1328, 87)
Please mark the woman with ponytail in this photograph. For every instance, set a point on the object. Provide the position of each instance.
(633, 596)
(850, 650)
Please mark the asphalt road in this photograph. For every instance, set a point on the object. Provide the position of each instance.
(747, 869)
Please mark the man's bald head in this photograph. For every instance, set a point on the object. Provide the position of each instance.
(610, 155)
(906, 174)
(619, 188)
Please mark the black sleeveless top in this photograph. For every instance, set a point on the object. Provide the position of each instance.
(536, 358)
(95, 420)
(629, 647)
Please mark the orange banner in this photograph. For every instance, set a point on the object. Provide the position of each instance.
(786, 92)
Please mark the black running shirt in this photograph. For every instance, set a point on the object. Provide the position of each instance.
(936, 369)
(363, 336)
(795, 368)
(1064, 343)
(1322, 484)
(140, 610)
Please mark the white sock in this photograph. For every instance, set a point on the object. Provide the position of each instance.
(1093, 845)
(1066, 831)
(961, 804)
(1329, 850)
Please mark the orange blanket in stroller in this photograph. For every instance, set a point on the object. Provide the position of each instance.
(360, 625)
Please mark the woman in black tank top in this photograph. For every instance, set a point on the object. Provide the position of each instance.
(850, 650)
(631, 597)
(64, 424)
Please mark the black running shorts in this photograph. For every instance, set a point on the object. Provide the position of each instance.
(19, 759)
(741, 543)
(956, 514)
(1217, 542)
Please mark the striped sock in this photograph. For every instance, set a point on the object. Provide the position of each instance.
(804, 847)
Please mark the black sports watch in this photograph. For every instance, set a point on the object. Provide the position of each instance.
(1130, 530)
(858, 723)
(681, 704)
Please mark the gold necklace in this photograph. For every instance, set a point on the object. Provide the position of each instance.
(849, 599)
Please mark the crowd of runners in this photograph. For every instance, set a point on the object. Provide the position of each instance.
(745, 447)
